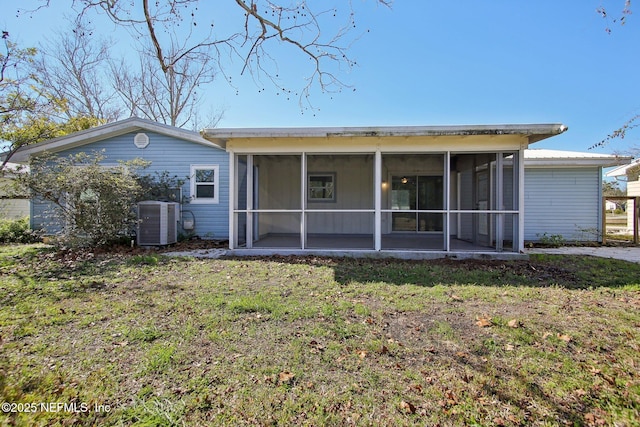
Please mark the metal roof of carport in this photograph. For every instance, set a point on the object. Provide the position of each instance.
(541, 157)
(535, 132)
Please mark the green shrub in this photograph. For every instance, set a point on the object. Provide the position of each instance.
(553, 240)
(16, 231)
(93, 204)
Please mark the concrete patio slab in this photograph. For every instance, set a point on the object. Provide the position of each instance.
(631, 254)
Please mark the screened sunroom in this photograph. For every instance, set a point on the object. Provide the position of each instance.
(416, 191)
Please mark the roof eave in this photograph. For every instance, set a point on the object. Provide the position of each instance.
(108, 130)
(577, 162)
(535, 132)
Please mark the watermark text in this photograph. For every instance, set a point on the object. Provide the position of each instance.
(69, 407)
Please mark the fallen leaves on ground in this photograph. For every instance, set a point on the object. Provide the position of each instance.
(484, 322)
(285, 377)
(514, 323)
(407, 407)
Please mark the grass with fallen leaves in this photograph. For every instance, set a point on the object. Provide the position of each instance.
(142, 339)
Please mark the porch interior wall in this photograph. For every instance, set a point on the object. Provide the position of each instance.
(464, 165)
(353, 190)
(279, 188)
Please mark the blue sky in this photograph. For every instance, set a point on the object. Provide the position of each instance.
(438, 62)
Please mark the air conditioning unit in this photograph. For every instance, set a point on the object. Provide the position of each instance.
(157, 223)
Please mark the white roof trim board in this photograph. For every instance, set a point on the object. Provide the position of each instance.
(536, 132)
(543, 157)
(217, 138)
(109, 130)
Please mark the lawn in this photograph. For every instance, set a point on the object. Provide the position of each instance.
(143, 339)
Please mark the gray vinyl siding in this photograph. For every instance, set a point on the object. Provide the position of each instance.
(14, 208)
(11, 208)
(44, 217)
(562, 201)
(166, 153)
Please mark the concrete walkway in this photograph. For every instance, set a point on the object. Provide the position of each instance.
(199, 253)
(631, 254)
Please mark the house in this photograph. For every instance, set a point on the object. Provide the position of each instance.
(183, 153)
(414, 191)
(610, 206)
(11, 206)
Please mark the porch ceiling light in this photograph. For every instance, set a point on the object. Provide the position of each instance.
(404, 180)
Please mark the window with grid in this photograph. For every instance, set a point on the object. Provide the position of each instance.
(321, 187)
(204, 183)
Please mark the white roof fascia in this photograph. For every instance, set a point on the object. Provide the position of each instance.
(622, 170)
(109, 130)
(546, 158)
(536, 132)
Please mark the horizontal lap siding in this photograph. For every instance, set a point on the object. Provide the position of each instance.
(176, 156)
(14, 208)
(562, 202)
(43, 217)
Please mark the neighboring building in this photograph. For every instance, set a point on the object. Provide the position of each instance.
(408, 191)
(611, 206)
(12, 207)
(633, 189)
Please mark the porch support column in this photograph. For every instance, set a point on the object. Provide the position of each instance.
(447, 200)
(515, 199)
(250, 207)
(377, 195)
(521, 178)
(303, 201)
(232, 199)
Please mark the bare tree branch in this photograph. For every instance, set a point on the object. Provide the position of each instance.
(323, 36)
(73, 66)
(620, 133)
(620, 18)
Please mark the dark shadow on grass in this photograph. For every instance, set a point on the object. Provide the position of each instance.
(571, 272)
(497, 372)
(568, 412)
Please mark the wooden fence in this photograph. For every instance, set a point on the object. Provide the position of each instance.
(636, 215)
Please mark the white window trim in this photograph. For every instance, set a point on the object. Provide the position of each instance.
(193, 183)
(310, 176)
